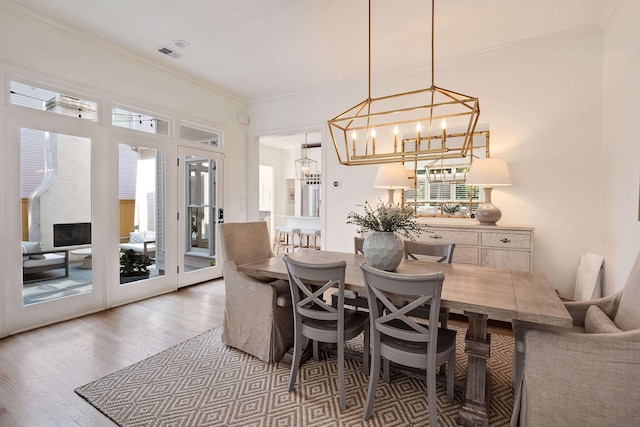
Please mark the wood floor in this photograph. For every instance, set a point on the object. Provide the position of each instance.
(40, 369)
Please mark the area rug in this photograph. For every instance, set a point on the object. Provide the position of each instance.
(202, 382)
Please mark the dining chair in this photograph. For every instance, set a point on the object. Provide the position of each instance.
(588, 374)
(443, 251)
(398, 338)
(257, 317)
(316, 320)
(438, 252)
(352, 298)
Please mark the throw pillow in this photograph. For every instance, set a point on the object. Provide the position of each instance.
(136, 237)
(31, 247)
(597, 322)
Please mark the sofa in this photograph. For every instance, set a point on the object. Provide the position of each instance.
(36, 260)
(143, 242)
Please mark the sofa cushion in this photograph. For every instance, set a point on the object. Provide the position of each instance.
(149, 236)
(47, 259)
(596, 321)
(136, 237)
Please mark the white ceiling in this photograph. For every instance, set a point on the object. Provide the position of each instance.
(260, 49)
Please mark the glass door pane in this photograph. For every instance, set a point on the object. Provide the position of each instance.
(200, 177)
(142, 215)
(55, 187)
(201, 185)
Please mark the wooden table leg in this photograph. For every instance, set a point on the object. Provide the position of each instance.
(474, 410)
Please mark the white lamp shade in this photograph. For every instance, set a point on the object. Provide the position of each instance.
(490, 172)
(391, 176)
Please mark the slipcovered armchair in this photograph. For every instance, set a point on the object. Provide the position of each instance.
(585, 376)
(258, 317)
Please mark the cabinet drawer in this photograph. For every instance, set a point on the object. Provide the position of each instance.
(504, 259)
(450, 236)
(465, 255)
(506, 240)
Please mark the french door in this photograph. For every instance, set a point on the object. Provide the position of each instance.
(53, 192)
(145, 230)
(200, 210)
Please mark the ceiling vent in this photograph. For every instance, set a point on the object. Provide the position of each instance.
(169, 52)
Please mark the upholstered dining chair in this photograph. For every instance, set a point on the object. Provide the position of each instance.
(437, 252)
(258, 318)
(398, 338)
(321, 322)
(585, 376)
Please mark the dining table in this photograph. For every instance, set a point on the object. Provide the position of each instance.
(480, 293)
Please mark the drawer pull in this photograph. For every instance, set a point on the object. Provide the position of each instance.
(435, 236)
(505, 240)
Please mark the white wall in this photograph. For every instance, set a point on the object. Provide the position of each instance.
(543, 102)
(278, 159)
(620, 144)
(69, 59)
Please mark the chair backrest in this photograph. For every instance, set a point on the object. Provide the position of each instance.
(394, 321)
(308, 283)
(442, 250)
(627, 317)
(244, 242)
(358, 244)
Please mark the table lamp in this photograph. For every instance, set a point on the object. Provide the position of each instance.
(488, 173)
(391, 176)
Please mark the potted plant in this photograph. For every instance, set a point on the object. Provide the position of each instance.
(383, 248)
(451, 209)
(134, 266)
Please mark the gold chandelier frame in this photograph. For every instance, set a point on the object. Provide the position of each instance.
(401, 117)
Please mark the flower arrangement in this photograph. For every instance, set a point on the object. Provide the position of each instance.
(399, 220)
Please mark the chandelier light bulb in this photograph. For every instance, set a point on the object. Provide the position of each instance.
(353, 141)
(373, 132)
(419, 127)
(443, 124)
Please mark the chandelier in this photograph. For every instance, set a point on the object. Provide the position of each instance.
(305, 167)
(425, 124)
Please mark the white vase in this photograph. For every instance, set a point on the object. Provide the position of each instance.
(383, 250)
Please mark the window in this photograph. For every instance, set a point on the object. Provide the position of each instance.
(54, 102)
(139, 121)
(192, 134)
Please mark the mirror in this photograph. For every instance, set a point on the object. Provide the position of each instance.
(439, 188)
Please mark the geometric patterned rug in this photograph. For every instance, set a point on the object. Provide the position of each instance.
(202, 382)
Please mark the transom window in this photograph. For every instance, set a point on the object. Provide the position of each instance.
(139, 121)
(55, 102)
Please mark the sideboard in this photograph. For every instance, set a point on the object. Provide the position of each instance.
(496, 246)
